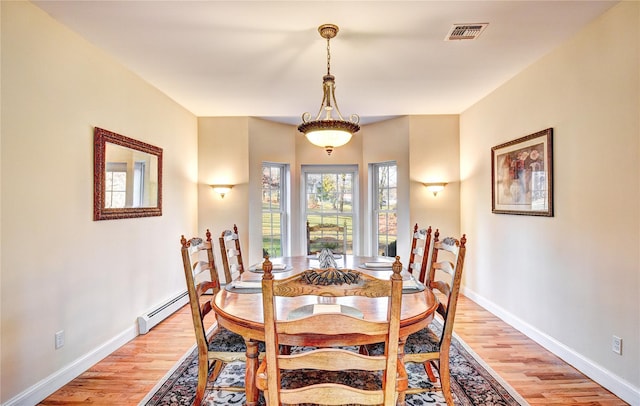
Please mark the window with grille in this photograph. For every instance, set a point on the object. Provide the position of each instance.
(330, 207)
(274, 209)
(385, 208)
(115, 190)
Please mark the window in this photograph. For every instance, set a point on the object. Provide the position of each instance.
(274, 209)
(115, 196)
(115, 193)
(385, 207)
(330, 199)
(138, 183)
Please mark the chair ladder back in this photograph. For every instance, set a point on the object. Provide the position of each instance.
(334, 283)
(193, 269)
(425, 256)
(414, 243)
(227, 238)
(433, 258)
(238, 251)
(420, 245)
(458, 249)
(225, 259)
(333, 229)
(333, 324)
(332, 360)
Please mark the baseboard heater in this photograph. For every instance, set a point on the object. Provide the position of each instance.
(150, 319)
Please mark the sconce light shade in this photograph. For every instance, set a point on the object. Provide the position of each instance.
(221, 189)
(435, 187)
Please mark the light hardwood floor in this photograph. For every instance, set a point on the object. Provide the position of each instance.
(127, 375)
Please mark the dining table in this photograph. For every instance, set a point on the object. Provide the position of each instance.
(238, 307)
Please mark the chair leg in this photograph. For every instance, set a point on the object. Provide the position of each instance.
(217, 368)
(203, 374)
(429, 370)
(445, 379)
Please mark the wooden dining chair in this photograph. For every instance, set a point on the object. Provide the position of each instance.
(220, 346)
(231, 254)
(330, 236)
(426, 346)
(420, 246)
(324, 375)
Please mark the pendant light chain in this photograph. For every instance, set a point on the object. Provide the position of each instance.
(328, 57)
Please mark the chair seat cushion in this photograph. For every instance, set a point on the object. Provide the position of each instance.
(304, 377)
(356, 379)
(224, 340)
(421, 341)
(424, 340)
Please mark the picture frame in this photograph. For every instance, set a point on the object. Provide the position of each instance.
(522, 175)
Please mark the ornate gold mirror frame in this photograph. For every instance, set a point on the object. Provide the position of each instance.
(127, 177)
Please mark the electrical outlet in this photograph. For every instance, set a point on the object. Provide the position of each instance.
(616, 345)
(60, 339)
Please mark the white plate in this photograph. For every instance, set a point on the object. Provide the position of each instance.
(258, 268)
(379, 266)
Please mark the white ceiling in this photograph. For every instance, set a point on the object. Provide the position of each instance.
(266, 58)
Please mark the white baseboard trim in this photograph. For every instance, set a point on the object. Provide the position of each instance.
(61, 377)
(620, 387)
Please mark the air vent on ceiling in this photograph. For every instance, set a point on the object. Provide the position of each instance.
(465, 31)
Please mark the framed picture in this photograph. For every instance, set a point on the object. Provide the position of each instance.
(522, 175)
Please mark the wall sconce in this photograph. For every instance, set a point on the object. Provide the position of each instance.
(221, 189)
(435, 187)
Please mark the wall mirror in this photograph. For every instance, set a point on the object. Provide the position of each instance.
(127, 177)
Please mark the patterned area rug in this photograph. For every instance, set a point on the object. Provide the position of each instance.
(473, 383)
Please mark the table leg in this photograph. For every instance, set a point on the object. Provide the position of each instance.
(250, 374)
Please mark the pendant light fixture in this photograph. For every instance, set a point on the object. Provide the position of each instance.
(325, 130)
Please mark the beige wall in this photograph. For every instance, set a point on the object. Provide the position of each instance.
(571, 280)
(222, 159)
(60, 269)
(435, 157)
(387, 141)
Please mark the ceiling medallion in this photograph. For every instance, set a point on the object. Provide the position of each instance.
(329, 132)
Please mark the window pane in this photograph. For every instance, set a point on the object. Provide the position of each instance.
(387, 233)
(271, 237)
(393, 199)
(393, 176)
(273, 209)
(386, 194)
(329, 202)
(115, 189)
